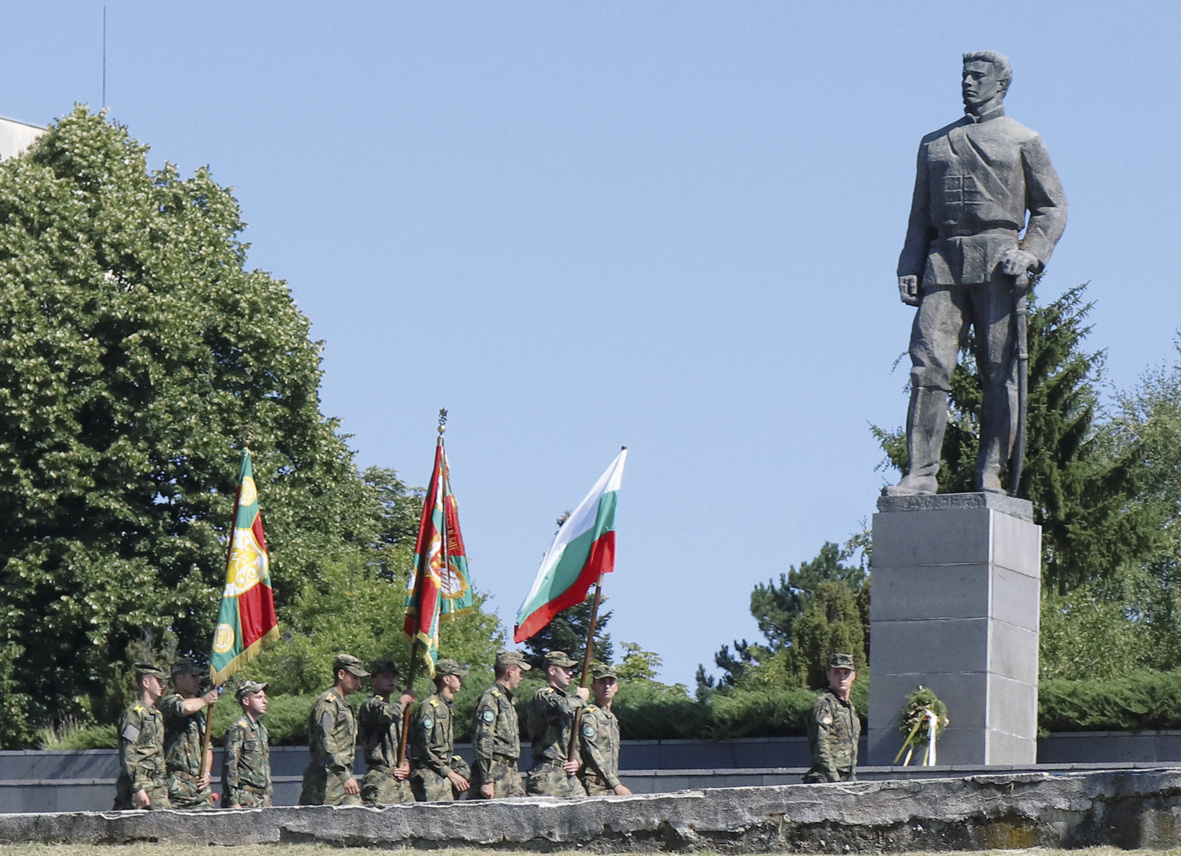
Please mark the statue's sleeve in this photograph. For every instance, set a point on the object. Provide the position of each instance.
(919, 230)
(1045, 200)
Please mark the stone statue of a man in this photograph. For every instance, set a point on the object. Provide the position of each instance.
(977, 178)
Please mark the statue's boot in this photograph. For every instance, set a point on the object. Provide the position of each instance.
(925, 421)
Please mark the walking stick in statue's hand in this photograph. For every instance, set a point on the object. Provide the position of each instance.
(1021, 310)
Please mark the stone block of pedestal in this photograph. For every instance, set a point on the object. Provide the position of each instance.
(954, 607)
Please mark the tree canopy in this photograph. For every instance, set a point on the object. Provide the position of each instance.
(136, 349)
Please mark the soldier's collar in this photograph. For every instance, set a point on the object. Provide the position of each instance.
(975, 119)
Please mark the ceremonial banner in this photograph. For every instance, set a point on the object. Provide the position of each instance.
(583, 549)
(246, 622)
(425, 588)
(457, 598)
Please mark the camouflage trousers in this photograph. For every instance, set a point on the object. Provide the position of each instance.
(157, 793)
(813, 777)
(549, 779)
(429, 786)
(503, 774)
(184, 793)
(249, 799)
(379, 787)
(321, 787)
(595, 785)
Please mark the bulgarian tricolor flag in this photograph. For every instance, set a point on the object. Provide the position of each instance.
(246, 622)
(583, 549)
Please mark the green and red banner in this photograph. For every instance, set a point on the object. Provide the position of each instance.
(456, 593)
(246, 622)
(583, 549)
(425, 588)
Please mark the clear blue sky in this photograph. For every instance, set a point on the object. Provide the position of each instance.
(670, 225)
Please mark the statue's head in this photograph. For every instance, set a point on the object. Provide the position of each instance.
(987, 75)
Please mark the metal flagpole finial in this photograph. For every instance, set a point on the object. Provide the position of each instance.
(248, 436)
(442, 419)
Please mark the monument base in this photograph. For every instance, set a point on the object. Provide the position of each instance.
(954, 607)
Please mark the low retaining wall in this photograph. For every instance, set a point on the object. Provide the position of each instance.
(1127, 809)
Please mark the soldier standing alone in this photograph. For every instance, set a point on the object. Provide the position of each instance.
(246, 771)
(496, 734)
(184, 737)
(143, 778)
(598, 738)
(332, 740)
(551, 722)
(833, 726)
(381, 733)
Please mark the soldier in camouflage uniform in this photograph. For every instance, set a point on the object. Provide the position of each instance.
(184, 737)
(496, 735)
(380, 722)
(432, 740)
(833, 726)
(246, 771)
(551, 722)
(143, 778)
(332, 740)
(598, 738)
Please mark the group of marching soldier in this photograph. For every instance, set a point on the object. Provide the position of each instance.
(575, 741)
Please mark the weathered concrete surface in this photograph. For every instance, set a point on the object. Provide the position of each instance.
(1128, 809)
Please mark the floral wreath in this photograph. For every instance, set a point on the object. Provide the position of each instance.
(923, 719)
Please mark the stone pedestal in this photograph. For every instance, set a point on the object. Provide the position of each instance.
(954, 607)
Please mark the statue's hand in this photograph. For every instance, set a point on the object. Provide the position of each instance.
(908, 290)
(1017, 262)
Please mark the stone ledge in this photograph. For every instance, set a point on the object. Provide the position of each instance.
(1122, 808)
(1022, 509)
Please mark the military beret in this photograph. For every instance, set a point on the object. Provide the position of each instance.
(350, 664)
(449, 667)
(559, 658)
(383, 667)
(504, 659)
(841, 661)
(249, 687)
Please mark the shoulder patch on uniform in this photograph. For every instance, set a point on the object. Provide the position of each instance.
(138, 708)
(826, 720)
(588, 730)
(488, 716)
(434, 702)
(130, 733)
(427, 722)
(496, 693)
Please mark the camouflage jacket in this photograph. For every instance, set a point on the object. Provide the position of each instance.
(247, 762)
(598, 738)
(495, 730)
(332, 734)
(141, 747)
(432, 735)
(380, 722)
(551, 718)
(833, 732)
(183, 735)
